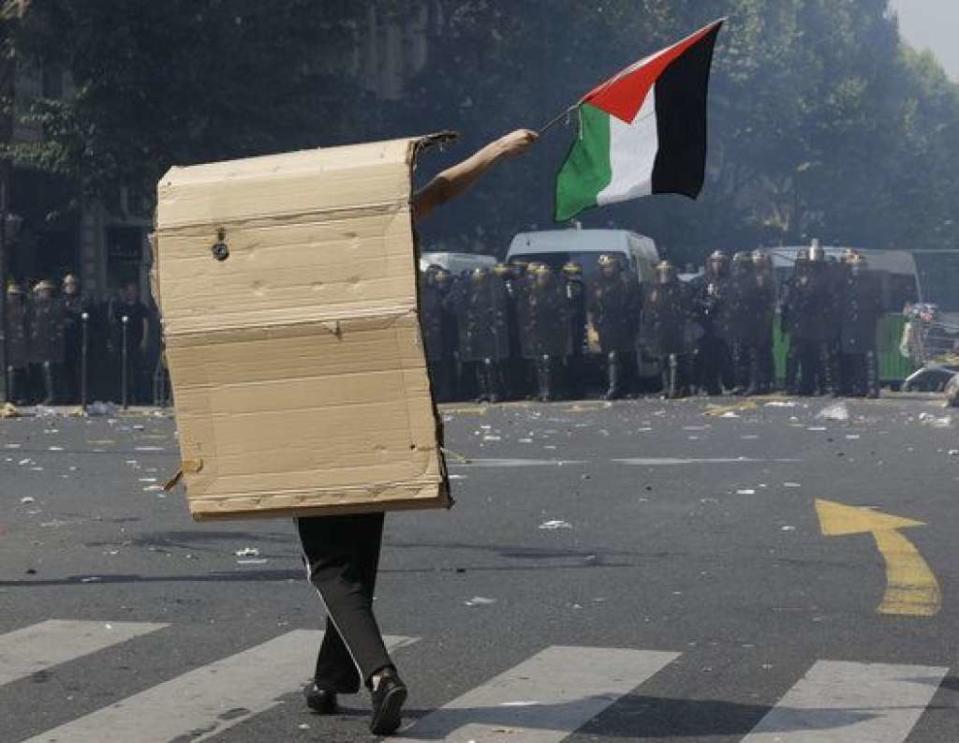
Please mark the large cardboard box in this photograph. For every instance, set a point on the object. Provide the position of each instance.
(287, 286)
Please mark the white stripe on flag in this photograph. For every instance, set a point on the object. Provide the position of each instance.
(632, 154)
(544, 699)
(210, 699)
(38, 647)
(838, 702)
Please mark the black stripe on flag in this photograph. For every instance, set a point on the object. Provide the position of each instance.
(681, 119)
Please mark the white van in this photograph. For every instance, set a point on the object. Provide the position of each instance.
(556, 247)
(456, 263)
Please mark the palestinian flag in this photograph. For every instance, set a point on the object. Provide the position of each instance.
(643, 131)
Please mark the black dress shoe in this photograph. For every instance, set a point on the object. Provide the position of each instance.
(388, 696)
(321, 701)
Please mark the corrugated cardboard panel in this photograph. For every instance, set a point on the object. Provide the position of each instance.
(297, 366)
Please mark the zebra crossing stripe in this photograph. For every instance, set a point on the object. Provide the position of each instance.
(839, 702)
(38, 647)
(206, 701)
(543, 699)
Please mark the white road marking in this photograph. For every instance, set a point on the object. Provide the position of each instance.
(544, 699)
(518, 463)
(840, 702)
(205, 701)
(673, 461)
(38, 647)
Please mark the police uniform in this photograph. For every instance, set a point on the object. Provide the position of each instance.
(545, 336)
(483, 330)
(437, 330)
(741, 313)
(861, 308)
(766, 300)
(665, 314)
(614, 312)
(712, 362)
(575, 292)
(18, 358)
(46, 345)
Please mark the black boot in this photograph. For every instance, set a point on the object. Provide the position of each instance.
(740, 369)
(49, 395)
(753, 382)
(671, 373)
(544, 371)
(613, 374)
(482, 383)
(829, 384)
(872, 375)
(493, 380)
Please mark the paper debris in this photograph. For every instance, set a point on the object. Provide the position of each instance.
(247, 552)
(28, 499)
(479, 601)
(746, 491)
(837, 412)
(553, 525)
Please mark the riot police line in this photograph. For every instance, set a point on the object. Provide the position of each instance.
(534, 331)
(64, 349)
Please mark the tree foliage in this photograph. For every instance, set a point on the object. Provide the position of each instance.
(824, 124)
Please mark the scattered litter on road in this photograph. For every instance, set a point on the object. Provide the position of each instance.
(789, 528)
(22, 462)
(852, 436)
(9, 410)
(525, 441)
(11, 446)
(457, 477)
(837, 412)
(746, 491)
(791, 485)
(729, 414)
(54, 448)
(490, 437)
(247, 552)
(479, 601)
(817, 428)
(149, 448)
(258, 561)
(553, 525)
(91, 579)
(153, 489)
(44, 411)
(780, 404)
(102, 409)
(931, 420)
(28, 499)
(954, 452)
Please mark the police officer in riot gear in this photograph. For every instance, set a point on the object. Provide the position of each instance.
(45, 326)
(665, 313)
(613, 308)
(575, 292)
(712, 362)
(823, 309)
(18, 358)
(766, 300)
(740, 320)
(75, 307)
(861, 308)
(794, 323)
(484, 331)
(514, 367)
(546, 332)
(437, 329)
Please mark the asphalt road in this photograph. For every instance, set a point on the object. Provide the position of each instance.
(639, 571)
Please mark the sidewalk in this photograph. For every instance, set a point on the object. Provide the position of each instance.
(95, 409)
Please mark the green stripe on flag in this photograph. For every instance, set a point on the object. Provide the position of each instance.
(587, 170)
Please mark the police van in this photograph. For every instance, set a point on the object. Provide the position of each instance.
(557, 247)
(456, 263)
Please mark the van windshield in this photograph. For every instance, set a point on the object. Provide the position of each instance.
(556, 260)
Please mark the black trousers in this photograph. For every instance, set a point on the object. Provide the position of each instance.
(342, 554)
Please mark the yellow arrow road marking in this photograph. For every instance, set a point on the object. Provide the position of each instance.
(911, 587)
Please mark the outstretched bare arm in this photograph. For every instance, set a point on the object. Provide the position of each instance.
(455, 180)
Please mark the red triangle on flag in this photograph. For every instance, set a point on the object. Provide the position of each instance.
(623, 94)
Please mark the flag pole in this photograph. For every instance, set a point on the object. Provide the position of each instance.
(555, 120)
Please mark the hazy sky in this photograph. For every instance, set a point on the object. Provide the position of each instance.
(931, 24)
